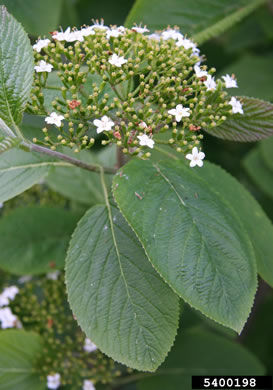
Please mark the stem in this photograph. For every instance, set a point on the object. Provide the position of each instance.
(120, 158)
(51, 87)
(6, 130)
(104, 187)
(116, 92)
(64, 157)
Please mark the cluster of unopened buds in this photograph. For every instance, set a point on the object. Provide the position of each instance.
(75, 361)
(129, 85)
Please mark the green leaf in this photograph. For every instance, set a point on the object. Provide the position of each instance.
(34, 239)
(258, 226)
(7, 143)
(202, 20)
(258, 171)
(16, 68)
(256, 123)
(85, 186)
(20, 170)
(191, 236)
(266, 148)
(250, 67)
(19, 352)
(119, 300)
(198, 352)
(38, 17)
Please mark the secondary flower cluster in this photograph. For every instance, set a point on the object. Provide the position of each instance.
(7, 318)
(129, 85)
(68, 358)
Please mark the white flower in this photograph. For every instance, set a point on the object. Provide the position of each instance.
(195, 51)
(186, 43)
(154, 36)
(53, 275)
(1, 205)
(140, 29)
(236, 106)
(103, 124)
(89, 346)
(24, 279)
(86, 31)
(40, 44)
(8, 319)
(171, 34)
(10, 292)
(142, 125)
(99, 26)
(196, 157)
(54, 119)
(179, 112)
(117, 61)
(53, 381)
(144, 140)
(4, 301)
(230, 81)
(43, 67)
(88, 385)
(199, 72)
(115, 32)
(62, 36)
(76, 35)
(8, 295)
(210, 83)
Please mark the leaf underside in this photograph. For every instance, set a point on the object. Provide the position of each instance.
(255, 124)
(201, 20)
(20, 170)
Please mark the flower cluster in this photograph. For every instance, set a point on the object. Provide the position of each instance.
(128, 85)
(68, 357)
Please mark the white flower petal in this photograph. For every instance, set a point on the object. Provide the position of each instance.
(88, 385)
(192, 163)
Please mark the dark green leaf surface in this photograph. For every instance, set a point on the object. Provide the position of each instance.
(191, 236)
(34, 239)
(16, 68)
(119, 300)
(20, 170)
(78, 184)
(200, 19)
(38, 17)
(198, 352)
(259, 172)
(266, 148)
(256, 123)
(258, 226)
(19, 351)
